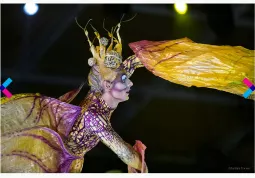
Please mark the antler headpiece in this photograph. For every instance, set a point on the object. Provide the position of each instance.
(108, 57)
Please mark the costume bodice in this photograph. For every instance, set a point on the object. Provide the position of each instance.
(81, 138)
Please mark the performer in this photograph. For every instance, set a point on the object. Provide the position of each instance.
(43, 134)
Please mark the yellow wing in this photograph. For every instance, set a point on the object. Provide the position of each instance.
(185, 62)
(33, 130)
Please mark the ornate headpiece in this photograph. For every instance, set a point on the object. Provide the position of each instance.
(108, 57)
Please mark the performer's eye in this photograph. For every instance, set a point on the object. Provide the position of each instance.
(123, 78)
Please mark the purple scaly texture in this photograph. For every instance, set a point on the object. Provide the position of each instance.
(82, 138)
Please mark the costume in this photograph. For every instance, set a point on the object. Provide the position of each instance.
(43, 134)
(185, 62)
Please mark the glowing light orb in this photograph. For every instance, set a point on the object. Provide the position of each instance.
(31, 8)
(181, 8)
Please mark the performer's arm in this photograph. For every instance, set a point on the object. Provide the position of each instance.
(110, 138)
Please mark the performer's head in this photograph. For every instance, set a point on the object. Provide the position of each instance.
(116, 90)
(108, 74)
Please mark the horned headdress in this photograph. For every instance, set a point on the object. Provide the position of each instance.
(107, 55)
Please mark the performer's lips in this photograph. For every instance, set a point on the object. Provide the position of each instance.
(128, 91)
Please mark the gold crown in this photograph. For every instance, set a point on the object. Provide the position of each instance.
(108, 58)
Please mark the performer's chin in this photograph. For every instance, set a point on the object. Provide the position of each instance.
(126, 97)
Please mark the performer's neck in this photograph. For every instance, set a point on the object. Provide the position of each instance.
(110, 101)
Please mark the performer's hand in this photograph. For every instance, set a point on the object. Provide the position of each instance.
(145, 168)
(140, 148)
(133, 170)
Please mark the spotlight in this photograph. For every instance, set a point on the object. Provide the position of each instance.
(181, 8)
(31, 8)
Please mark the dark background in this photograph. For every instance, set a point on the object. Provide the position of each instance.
(184, 129)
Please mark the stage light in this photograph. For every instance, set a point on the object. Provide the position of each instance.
(181, 8)
(31, 8)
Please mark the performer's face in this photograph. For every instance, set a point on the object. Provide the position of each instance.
(121, 87)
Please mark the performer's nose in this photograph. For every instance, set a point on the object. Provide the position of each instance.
(130, 83)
